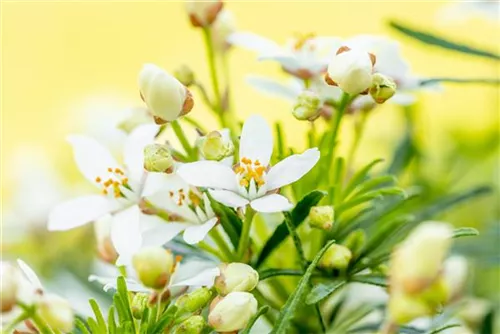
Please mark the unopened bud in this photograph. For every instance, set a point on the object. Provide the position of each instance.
(138, 116)
(321, 217)
(216, 145)
(9, 277)
(139, 304)
(382, 88)
(336, 257)
(203, 13)
(236, 277)
(165, 96)
(153, 266)
(233, 312)
(224, 25)
(185, 75)
(194, 301)
(105, 248)
(157, 158)
(355, 241)
(56, 312)
(455, 275)
(403, 307)
(308, 106)
(192, 325)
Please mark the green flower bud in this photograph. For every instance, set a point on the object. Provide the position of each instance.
(233, 312)
(194, 301)
(139, 304)
(9, 277)
(307, 107)
(215, 146)
(236, 277)
(185, 75)
(138, 117)
(56, 312)
(336, 257)
(157, 158)
(153, 266)
(382, 88)
(355, 241)
(321, 217)
(192, 325)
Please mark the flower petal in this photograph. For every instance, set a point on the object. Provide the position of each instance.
(126, 233)
(92, 159)
(271, 203)
(292, 168)
(133, 150)
(159, 182)
(30, 275)
(253, 42)
(228, 198)
(272, 87)
(256, 141)
(79, 211)
(209, 174)
(110, 283)
(162, 233)
(196, 233)
(204, 278)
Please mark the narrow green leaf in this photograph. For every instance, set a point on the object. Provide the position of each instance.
(359, 177)
(165, 319)
(229, 220)
(442, 329)
(120, 309)
(486, 81)
(355, 202)
(322, 290)
(298, 214)
(280, 141)
(377, 280)
(81, 326)
(338, 177)
(271, 272)
(94, 327)
(111, 320)
(122, 292)
(98, 316)
(374, 183)
(465, 232)
(251, 322)
(438, 41)
(288, 310)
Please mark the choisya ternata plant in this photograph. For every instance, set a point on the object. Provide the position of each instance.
(233, 230)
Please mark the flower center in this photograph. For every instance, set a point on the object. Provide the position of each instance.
(249, 170)
(115, 179)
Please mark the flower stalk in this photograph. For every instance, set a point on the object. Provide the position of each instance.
(245, 234)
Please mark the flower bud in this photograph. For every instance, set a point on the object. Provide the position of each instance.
(105, 248)
(203, 13)
(164, 95)
(233, 312)
(351, 70)
(194, 301)
(321, 217)
(235, 277)
(153, 266)
(355, 241)
(139, 116)
(382, 88)
(418, 260)
(455, 275)
(224, 25)
(185, 75)
(403, 307)
(157, 158)
(308, 106)
(139, 304)
(9, 276)
(56, 312)
(336, 257)
(215, 146)
(192, 325)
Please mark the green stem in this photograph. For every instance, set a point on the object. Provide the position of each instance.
(20, 318)
(183, 139)
(245, 234)
(206, 247)
(40, 324)
(207, 34)
(359, 128)
(221, 243)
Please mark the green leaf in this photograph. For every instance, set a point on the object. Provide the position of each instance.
(377, 280)
(251, 322)
(438, 41)
(359, 177)
(298, 214)
(465, 232)
(486, 81)
(94, 327)
(271, 272)
(111, 320)
(442, 329)
(229, 220)
(122, 292)
(375, 183)
(101, 323)
(322, 290)
(288, 310)
(81, 326)
(404, 153)
(165, 319)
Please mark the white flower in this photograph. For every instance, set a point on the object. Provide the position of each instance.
(303, 57)
(203, 13)
(251, 182)
(122, 189)
(233, 312)
(166, 97)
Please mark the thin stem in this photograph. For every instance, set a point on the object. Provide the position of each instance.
(221, 243)
(359, 128)
(206, 247)
(20, 318)
(40, 324)
(207, 34)
(183, 139)
(245, 234)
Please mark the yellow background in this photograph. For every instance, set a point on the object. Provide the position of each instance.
(60, 59)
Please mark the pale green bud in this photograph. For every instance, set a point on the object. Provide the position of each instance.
(192, 325)
(185, 75)
(157, 158)
(194, 301)
(138, 117)
(9, 277)
(404, 308)
(233, 312)
(382, 88)
(153, 266)
(336, 257)
(139, 304)
(215, 146)
(355, 241)
(236, 277)
(455, 275)
(56, 312)
(321, 217)
(308, 106)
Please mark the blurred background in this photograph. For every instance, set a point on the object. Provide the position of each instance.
(72, 66)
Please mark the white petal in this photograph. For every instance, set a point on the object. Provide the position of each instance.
(271, 203)
(256, 141)
(110, 283)
(196, 233)
(92, 159)
(272, 87)
(79, 211)
(208, 207)
(209, 174)
(156, 182)
(204, 278)
(30, 275)
(292, 168)
(228, 198)
(133, 150)
(162, 233)
(126, 233)
(253, 42)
